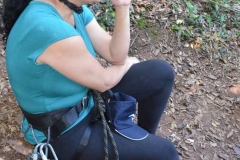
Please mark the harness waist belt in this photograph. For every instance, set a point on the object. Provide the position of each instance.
(58, 120)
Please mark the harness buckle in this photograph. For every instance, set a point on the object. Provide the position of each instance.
(84, 102)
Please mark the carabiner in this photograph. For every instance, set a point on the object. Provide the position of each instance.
(43, 155)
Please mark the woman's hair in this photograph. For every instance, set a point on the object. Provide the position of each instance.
(11, 11)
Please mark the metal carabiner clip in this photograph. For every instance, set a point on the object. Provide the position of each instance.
(34, 155)
(43, 155)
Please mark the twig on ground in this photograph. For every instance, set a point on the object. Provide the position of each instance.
(5, 112)
(145, 44)
(134, 40)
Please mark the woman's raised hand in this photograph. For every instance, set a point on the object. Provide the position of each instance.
(121, 2)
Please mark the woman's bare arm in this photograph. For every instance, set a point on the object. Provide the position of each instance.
(113, 49)
(71, 58)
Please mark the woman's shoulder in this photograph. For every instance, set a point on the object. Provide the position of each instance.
(86, 16)
(38, 12)
(41, 23)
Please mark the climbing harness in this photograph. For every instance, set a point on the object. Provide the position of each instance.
(99, 102)
(38, 153)
(55, 122)
(52, 124)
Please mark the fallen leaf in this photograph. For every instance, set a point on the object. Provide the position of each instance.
(197, 120)
(12, 128)
(183, 147)
(230, 134)
(6, 149)
(20, 146)
(19, 119)
(157, 51)
(173, 125)
(235, 89)
(179, 21)
(3, 128)
(192, 45)
(214, 124)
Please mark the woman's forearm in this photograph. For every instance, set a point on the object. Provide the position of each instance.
(120, 42)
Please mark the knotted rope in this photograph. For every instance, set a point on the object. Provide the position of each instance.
(106, 130)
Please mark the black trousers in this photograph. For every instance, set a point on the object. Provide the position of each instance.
(151, 83)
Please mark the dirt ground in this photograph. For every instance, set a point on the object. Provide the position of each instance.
(203, 114)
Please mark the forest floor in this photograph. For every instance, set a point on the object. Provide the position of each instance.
(203, 114)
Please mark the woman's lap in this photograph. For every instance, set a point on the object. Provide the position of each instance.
(151, 148)
(150, 83)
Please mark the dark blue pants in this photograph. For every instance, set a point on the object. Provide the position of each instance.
(151, 83)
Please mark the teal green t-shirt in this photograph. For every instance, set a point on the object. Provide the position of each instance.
(39, 88)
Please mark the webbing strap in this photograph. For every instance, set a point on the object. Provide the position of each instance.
(66, 120)
(58, 120)
(84, 142)
(42, 121)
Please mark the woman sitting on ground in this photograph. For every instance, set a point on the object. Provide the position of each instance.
(51, 48)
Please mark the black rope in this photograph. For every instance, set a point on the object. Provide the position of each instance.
(106, 130)
(72, 6)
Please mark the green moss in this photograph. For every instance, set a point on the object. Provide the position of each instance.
(142, 22)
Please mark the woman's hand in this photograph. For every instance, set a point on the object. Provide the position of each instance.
(121, 2)
(131, 61)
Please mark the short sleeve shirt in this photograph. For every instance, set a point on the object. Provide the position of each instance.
(39, 88)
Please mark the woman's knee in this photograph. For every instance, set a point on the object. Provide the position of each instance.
(164, 70)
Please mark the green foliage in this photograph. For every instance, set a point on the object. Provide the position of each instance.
(211, 22)
(183, 30)
(105, 14)
(142, 22)
(107, 19)
(192, 10)
(149, 7)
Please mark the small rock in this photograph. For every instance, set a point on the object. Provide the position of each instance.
(212, 77)
(237, 150)
(156, 52)
(183, 147)
(213, 144)
(223, 156)
(181, 126)
(230, 134)
(189, 141)
(186, 45)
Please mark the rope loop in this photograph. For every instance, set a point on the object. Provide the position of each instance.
(106, 129)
